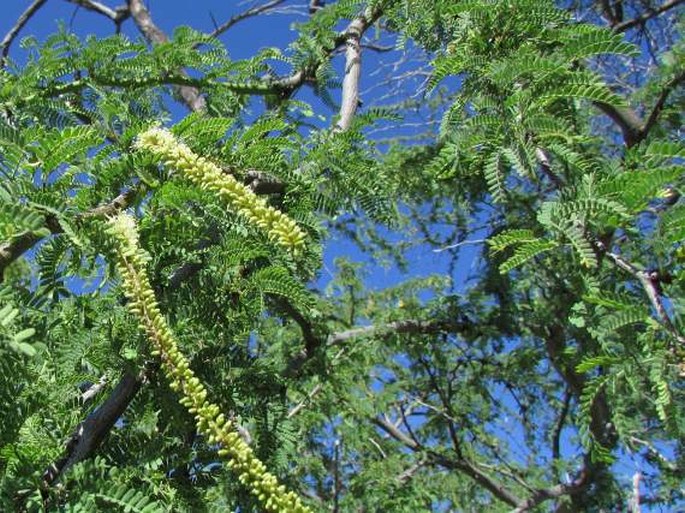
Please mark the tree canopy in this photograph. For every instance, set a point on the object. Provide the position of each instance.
(174, 335)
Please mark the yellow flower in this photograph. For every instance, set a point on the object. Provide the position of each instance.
(207, 175)
(211, 423)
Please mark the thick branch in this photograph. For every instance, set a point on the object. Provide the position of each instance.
(350, 86)
(23, 20)
(117, 15)
(315, 5)
(353, 56)
(12, 250)
(190, 96)
(554, 492)
(633, 128)
(609, 13)
(92, 431)
(627, 120)
(262, 183)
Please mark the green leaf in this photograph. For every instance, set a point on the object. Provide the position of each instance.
(525, 252)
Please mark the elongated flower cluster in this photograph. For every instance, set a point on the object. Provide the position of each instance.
(177, 156)
(210, 421)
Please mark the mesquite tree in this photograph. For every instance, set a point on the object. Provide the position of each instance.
(171, 339)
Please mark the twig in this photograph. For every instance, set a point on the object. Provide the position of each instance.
(498, 489)
(654, 453)
(405, 326)
(300, 406)
(93, 390)
(378, 48)
(337, 482)
(649, 282)
(378, 447)
(643, 18)
(254, 11)
(668, 88)
(10, 251)
(474, 242)
(546, 166)
(410, 472)
(559, 426)
(21, 21)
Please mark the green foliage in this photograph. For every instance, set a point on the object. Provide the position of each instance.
(13, 339)
(537, 339)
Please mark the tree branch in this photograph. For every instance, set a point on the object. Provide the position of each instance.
(650, 284)
(561, 420)
(498, 489)
(300, 406)
(648, 15)
(554, 492)
(92, 431)
(609, 13)
(13, 249)
(16, 28)
(17, 246)
(668, 88)
(627, 120)
(461, 464)
(633, 128)
(254, 11)
(117, 15)
(190, 96)
(315, 5)
(353, 56)
(262, 183)
(350, 86)
(546, 166)
(405, 326)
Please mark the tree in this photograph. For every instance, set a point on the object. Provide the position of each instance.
(169, 343)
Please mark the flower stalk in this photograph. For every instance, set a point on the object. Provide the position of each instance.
(207, 175)
(211, 423)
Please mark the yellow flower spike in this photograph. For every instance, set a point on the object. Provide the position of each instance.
(210, 177)
(210, 422)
